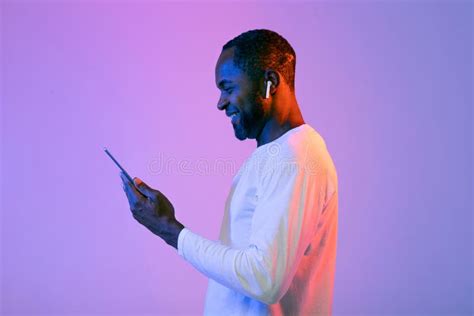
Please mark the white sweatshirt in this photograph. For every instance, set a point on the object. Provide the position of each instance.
(277, 247)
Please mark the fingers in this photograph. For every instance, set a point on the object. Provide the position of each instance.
(133, 195)
(144, 188)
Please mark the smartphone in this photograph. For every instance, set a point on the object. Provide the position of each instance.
(118, 165)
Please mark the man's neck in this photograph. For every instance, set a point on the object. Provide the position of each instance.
(274, 128)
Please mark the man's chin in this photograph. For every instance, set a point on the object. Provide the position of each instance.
(240, 137)
(240, 133)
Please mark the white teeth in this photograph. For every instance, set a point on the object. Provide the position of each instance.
(233, 115)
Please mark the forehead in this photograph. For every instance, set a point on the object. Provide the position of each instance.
(226, 70)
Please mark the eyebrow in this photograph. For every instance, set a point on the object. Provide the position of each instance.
(223, 82)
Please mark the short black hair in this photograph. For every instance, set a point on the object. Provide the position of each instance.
(256, 50)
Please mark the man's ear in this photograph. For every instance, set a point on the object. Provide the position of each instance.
(272, 76)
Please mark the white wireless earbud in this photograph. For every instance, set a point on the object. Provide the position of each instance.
(267, 94)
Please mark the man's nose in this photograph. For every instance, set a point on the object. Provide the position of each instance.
(222, 104)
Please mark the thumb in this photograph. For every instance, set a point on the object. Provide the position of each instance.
(143, 187)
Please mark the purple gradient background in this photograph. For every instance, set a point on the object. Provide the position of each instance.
(387, 84)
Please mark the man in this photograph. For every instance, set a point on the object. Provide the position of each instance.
(277, 247)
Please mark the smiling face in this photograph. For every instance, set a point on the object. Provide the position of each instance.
(240, 97)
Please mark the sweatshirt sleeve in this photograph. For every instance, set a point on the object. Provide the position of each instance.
(283, 223)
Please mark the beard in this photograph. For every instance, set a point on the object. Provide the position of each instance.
(251, 122)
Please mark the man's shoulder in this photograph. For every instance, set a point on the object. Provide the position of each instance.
(300, 148)
(305, 144)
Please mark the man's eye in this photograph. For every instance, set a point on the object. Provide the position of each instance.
(228, 90)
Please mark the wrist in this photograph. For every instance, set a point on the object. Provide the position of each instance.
(172, 235)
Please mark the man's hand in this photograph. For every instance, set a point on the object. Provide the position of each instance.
(152, 209)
